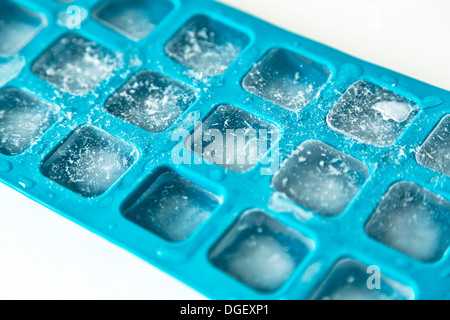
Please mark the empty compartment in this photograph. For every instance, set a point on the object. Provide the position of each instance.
(18, 27)
(412, 220)
(23, 120)
(372, 114)
(351, 280)
(170, 207)
(320, 178)
(286, 79)
(206, 46)
(260, 251)
(151, 101)
(75, 64)
(435, 152)
(135, 19)
(89, 161)
(232, 138)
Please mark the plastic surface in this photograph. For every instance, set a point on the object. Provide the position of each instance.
(96, 189)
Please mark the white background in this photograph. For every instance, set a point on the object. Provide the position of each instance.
(44, 256)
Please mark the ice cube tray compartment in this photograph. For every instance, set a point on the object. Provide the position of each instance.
(95, 124)
(18, 26)
(75, 65)
(260, 251)
(171, 206)
(151, 101)
(23, 120)
(348, 281)
(89, 161)
(242, 129)
(206, 46)
(320, 178)
(286, 78)
(134, 19)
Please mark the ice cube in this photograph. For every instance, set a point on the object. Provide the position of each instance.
(18, 26)
(260, 251)
(371, 114)
(206, 46)
(320, 178)
(151, 101)
(23, 119)
(232, 138)
(286, 79)
(134, 19)
(412, 220)
(435, 152)
(75, 64)
(10, 68)
(171, 207)
(89, 161)
(349, 281)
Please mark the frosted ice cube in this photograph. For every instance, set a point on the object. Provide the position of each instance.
(89, 161)
(151, 101)
(23, 119)
(206, 46)
(260, 251)
(412, 220)
(348, 281)
(372, 114)
(171, 207)
(134, 19)
(232, 138)
(75, 64)
(18, 26)
(435, 151)
(286, 78)
(320, 178)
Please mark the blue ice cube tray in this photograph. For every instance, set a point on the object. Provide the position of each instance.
(88, 116)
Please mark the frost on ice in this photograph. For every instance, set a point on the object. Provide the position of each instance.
(286, 79)
(171, 207)
(435, 152)
(23, 119)
(151, 101)
(206, 46)
(260, 251)
(372, 114)
(75, 64)
(89, 162)
(320, 178)
(348, 281)
(391, 110)
(412, 220)
(134, 19)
